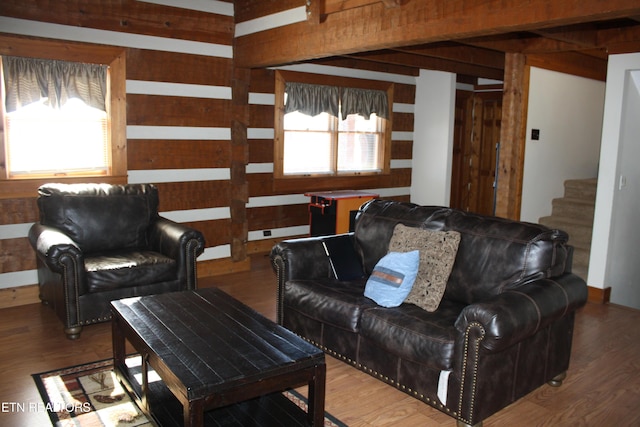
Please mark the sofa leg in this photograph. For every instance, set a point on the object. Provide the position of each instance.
(463, 424)
(73, 333)
(557, 380)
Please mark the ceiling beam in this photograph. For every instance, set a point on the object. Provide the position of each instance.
(351, 62)
(528, 43)
(375, 27)
(571, 63)
(333, 6)
(583, 37)
(620, 40)
(432, 63)
(459, 53)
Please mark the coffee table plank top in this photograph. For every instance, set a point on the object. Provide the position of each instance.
(214, 342)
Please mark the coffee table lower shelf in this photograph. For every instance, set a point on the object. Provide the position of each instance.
(166, 411)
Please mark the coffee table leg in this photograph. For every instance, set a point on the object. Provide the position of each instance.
(118, 342)
(316, 396)
(194, 413)
(145, 383)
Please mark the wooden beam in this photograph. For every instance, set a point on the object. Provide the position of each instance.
(394, 3)
(522, 43)
(431, 63)
(599, 44)
(352, 62)
(512, 137)
(459, 53)
(239, 160)
(620, 40)
(583, 37)
(333, 6)
(573, 63)
(374, 27)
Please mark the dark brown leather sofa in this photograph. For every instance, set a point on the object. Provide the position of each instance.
(503, 328)
(98, 242)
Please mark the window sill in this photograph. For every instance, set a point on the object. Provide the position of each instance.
(27, 188)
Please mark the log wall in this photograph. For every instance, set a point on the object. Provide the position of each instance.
(190, 130)
(179, 69)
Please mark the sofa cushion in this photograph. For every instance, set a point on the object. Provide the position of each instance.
(392, 278)
(128, 269)
(494, 254)
(411, 333)
(100, 217)
(329, 301)
(438, 251)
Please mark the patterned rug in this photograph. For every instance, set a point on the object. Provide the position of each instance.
(90, 395)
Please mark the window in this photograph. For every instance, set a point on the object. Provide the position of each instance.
(316, 136)
(56, 119)
(30, 155)
(325, 144)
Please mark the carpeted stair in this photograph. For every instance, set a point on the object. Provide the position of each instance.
(573, 213)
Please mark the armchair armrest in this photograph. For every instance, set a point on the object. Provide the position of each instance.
(181, 243)
(519, 313)
(58, 253)
(171, 238)
(54, 248)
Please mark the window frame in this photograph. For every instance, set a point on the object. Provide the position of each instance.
(115, 58)
(281, 77)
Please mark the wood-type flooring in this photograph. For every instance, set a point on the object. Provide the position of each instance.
(602, 387)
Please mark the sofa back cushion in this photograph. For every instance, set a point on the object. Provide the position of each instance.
(494, 254)
(100, 217)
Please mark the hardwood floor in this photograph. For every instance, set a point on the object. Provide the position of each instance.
(602, 387)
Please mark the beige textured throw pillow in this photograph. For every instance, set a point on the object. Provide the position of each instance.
(438, 251)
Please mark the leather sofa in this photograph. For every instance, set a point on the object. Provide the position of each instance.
(503, 327)
(99, 242)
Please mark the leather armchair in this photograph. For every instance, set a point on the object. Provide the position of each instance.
(99, 242)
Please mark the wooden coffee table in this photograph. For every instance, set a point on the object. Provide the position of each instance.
(212, 351)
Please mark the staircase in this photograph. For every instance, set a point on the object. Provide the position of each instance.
(573, 213)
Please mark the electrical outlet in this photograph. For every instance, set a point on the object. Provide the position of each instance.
(266, 233)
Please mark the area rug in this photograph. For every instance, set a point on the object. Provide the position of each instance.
(90, 395)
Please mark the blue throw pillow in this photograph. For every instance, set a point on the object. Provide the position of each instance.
(392, 278)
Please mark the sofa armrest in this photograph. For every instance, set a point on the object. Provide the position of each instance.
(516, 314)
(54, 248)
(302, 259)
(179, 242)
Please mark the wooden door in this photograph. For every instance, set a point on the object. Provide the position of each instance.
(461, 150)
(475, 148)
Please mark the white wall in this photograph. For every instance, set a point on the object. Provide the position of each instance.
(433, 138)
(622, 263)
(613, 260)
(568, 112)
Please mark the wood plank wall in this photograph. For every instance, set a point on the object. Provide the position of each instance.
(180, 115)
(179, 67)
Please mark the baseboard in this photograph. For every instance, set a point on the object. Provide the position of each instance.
(265, 245)
(216, 267)
(20, 295)
(599, 295)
